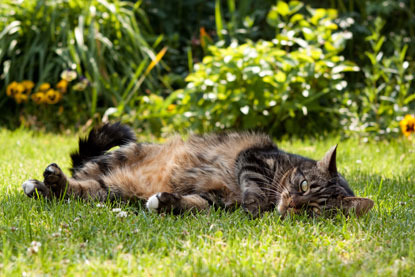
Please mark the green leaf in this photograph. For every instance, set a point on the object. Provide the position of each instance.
(378, 44)
(371, 57)
(345, 67)
(272, 17)
(329, 46)
(409, 99)
(218, 20)
(403, 53)
(281, 76)
(282, 8)
(296, 17)
(295, 6)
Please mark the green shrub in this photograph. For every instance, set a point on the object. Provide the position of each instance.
(101, 40)
(181, 22)
(289, 85)
(386, 97)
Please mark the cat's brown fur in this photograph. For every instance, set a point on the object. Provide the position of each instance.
(227, 170)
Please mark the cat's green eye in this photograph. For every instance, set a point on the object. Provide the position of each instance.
(304, 186)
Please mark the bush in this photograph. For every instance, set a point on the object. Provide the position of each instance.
(287, 86)
(101, 40)
(185, 23)
(385, 98)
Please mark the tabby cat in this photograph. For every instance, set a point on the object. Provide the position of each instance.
(225, 170)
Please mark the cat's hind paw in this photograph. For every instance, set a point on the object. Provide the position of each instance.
(53, 175)
(55, 179)
(163, 202)
(34, 187)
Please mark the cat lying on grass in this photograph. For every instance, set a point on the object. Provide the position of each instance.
(224, 170)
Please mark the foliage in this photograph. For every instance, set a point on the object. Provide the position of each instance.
(79, 238)
(385, 98)
(354, 17)
(185, 24)
(370, 103)
(399, 13)
(287, 86)
(101, 40)
(109, 45)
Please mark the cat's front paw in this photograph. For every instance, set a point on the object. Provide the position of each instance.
(163, 202)
(253, 203)
(34, 187)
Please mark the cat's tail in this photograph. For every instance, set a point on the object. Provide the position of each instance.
(100, 140)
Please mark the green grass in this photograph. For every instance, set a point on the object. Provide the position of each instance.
(79, 238)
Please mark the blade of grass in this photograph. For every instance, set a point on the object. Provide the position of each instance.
(153, 63)
(218, 19)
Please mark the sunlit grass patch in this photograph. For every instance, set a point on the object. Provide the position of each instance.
(83, 238)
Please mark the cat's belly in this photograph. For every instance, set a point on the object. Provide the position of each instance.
(149, 175)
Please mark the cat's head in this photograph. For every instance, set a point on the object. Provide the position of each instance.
(317, 188)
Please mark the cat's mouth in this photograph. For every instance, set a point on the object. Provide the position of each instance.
(311, 209)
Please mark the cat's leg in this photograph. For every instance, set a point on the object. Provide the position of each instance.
(53, 184)
(56, 184)
(176, 203)
(253, 176)
(33, 187)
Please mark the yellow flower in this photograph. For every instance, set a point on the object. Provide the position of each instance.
(44, 87)
(62, 86)
(20, 97)
(28, 85)
(407, 125)
(68, 75)
(171, 107)
(14, 88)
(39, 97)
(53, 96)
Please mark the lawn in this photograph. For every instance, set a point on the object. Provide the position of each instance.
(83, 238)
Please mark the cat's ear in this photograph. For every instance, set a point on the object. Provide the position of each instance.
(328, 163)
(358, 205)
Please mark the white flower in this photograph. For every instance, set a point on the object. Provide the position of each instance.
(34, 247)
(68, 75)
(100, 205)
(230, 77)
(116, 210)
(122, 214)
(245, 110)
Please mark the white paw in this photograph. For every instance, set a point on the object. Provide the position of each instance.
(153, 203)
(29, 186)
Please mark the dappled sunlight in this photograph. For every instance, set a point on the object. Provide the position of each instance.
(77, 235)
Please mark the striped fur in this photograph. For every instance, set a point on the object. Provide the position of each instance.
(225, 170)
